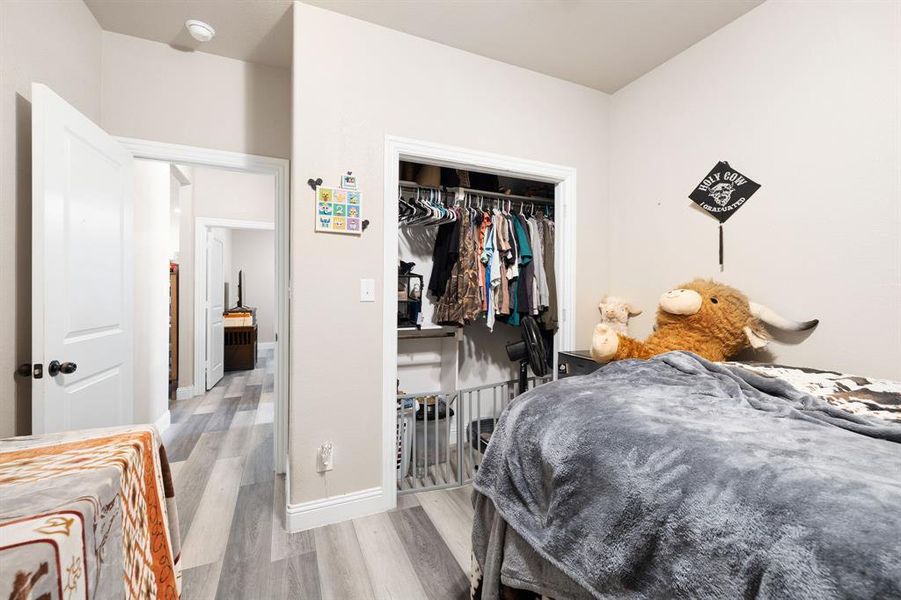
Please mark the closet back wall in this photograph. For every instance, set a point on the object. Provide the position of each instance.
(802, 97)
(347, 97)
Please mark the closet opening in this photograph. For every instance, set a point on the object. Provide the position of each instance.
(482, 255)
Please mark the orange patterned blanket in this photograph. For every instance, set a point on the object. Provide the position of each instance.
(88, 514)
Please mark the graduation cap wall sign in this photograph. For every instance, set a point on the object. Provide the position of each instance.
(721, 193)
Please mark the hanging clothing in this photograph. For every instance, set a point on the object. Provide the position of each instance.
(492, 262)
(502, 246)
(444, 256)
(526, 287)
(538, 252)
(487, 259)
(460, 303)
(549, 317)
(513, 261)
(483, 222)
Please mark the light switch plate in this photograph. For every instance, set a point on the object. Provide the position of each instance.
(367, 290)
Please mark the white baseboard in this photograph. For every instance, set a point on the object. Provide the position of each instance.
(287, 497)
(162, 424)
(265, 345)
(326, 511)
(184, 393)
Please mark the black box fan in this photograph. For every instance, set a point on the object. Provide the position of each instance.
(529, 351)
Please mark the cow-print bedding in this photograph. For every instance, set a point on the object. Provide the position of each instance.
(865, 396)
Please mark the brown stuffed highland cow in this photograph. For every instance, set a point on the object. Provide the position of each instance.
(708, 318)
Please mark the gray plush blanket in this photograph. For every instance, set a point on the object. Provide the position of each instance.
(677, 477)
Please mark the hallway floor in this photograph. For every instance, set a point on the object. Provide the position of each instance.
(234, 545)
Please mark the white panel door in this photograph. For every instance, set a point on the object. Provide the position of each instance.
(82, 270)
(215, 303)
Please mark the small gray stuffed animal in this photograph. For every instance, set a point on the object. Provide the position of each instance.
(616, 312)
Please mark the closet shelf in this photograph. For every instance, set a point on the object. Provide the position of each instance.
(499, 195)
(414, 185)
(408, 333)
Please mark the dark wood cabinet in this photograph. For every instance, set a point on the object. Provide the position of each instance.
(240, 348)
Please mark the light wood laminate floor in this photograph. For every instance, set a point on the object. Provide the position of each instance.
(234, 544)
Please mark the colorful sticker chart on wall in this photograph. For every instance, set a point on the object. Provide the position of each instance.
(339, 210)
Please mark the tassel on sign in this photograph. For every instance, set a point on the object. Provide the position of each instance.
(721, 193)
(721, 247)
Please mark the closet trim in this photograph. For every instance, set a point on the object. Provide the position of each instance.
(400, 148)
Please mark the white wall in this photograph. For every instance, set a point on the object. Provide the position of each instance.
(803, 97)
(174, 214)
(57, 44)
(155, 92)
(151, 302)
(186, 282)
(253, 251)
(220, 194)
(233, 195)
(466, 101)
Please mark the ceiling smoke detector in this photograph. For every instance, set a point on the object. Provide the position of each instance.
(200, 31)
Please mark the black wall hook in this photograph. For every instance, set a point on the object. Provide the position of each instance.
(314, 183)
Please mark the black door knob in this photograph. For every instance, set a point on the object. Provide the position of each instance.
(66, 368)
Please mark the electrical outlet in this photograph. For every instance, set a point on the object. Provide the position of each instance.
(325, 458)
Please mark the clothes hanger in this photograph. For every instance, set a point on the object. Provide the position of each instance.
(426, 211)
(406, 210)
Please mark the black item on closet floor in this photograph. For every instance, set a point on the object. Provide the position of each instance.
(444, 411)
(480, 434)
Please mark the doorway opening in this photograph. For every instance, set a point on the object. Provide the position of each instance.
(226, 230)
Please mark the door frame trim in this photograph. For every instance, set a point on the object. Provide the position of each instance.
(280, 169)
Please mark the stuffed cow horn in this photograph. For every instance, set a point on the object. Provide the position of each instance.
(771, 317)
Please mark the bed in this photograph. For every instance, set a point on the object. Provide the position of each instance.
(88, 514)
(678, 477)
